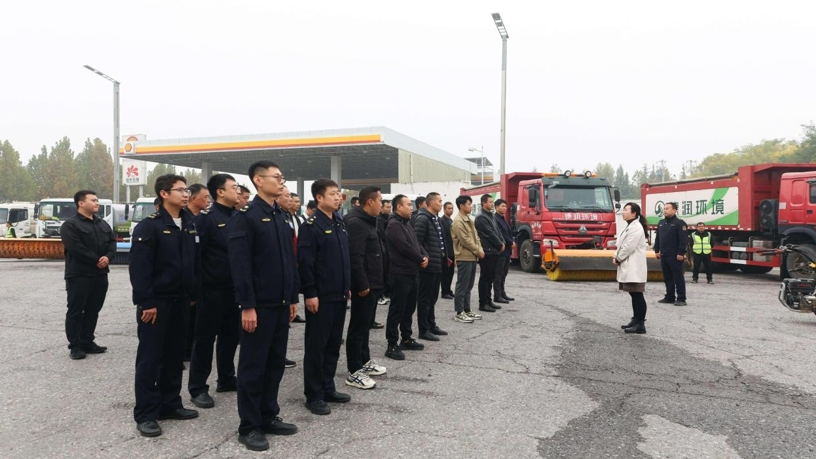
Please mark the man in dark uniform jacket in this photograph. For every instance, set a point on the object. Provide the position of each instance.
(323, 260)
(382, 220)
(430, 236)
(493, 245)
(90, 245)
(502, 267)
(164, 257)
(262, 262)
(366, 260)
(447, 268)
(670, 247)
(217, 312)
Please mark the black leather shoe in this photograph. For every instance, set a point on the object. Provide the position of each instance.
(428, 336)
(637, 328)
(438, 331)
(149, 429)
(319, 407)
(337, 397)
(376, 325)
(254, 441)
(680, 303)
(666, 301)
(494, 305)
(77, 354)
(711, 282)
(631, 322)
(447, 296)
(411, 345)
(93, 348)
(298, 319)
(180, 414)
(394, 352)
(508, 298)
(227, 388)
(486, 308)
(290, 363)
(278, 427)
(500, 300)
(203, 400)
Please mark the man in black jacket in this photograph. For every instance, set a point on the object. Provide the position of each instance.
(382, 221)
(406, 257)
(90, 245)
(499, 295)
(447, 269)
(430, 236)
(493, 245)
(366, 260)
(670, 247)
(325, 273)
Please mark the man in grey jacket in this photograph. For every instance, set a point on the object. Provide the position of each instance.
(493, 245)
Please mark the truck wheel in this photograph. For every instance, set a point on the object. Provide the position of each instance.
(529, 263)
(797, 264)
(755, 269)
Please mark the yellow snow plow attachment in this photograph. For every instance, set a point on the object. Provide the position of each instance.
(590, 265)
(31, 248)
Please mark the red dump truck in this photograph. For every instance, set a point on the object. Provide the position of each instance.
(756, 208)
(551, 210)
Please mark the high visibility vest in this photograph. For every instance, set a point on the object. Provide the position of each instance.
(701, 244)
(11, 233)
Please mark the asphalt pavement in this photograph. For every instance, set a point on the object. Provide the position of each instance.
(731, 375)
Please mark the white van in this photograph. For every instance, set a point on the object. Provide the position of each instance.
(20, 215)
(52, 212)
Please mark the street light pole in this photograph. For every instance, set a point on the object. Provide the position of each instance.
(504, 36)
(115, 131)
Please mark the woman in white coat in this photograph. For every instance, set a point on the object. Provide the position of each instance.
(630, 258)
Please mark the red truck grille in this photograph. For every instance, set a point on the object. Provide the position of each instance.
(573, 227)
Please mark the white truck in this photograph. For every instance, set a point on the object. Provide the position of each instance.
(20, 215)
(140, 210)
(52, 212)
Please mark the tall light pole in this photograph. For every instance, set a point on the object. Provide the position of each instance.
(481, 163)
(115, 131)
(504, 36)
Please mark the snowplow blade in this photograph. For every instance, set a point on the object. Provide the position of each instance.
(31, 248)
(590, 265)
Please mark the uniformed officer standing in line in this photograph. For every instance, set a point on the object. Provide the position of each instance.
(670, 247)
(448, 268)
(199, 201)
(218, 314)
(243, 197)
(90, 245)
(284, 201)
(297, 221)
(163, 262)
(325, 275)
(266, 282)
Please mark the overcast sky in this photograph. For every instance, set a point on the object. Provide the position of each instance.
(628, 82)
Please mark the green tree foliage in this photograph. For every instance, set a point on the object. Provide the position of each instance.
(605, 170)
(806, 149)
(94, 166)
(555, 168)
(15, 182)
(193, 176)
(61, 171)
(767, 151)
(158, 171)
(624, 184)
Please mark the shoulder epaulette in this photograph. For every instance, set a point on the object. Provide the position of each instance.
(205, 211)
(311, 220)
(153, 215)
(245, 208)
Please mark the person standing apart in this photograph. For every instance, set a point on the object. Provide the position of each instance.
(701, 247)
(492, 245)
(449, 268)
(90, 245)
(670, 248)
(630, 258)
(164, 259)
(431, 237)
(503, 265)
(406, 257)
(366, 260)
(218, 313)
(468, 250)
(323, 260)
(264, 271)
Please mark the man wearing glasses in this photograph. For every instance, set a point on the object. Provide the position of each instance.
(217, 313)
(163, 269)
(262, 261)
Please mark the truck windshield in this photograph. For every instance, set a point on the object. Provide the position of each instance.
(141, 210)
(3, 216)
(574, 199)
(58, 211)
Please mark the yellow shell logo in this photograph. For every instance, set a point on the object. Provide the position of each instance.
(128, 147)
(132, 138)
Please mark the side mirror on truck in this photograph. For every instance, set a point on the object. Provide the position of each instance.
(616, 193)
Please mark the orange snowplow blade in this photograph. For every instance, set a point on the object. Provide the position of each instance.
(31, 248)
(590, 265)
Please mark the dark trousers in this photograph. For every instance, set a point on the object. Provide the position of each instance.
(189, 335)
(700, 259)
(362, 314)
(86, 295)
(324, 334)
(427, 295)
(218, 314)
(260, 368)
(402, 307)
(486, 275)
(447, 277)
(464, 285)
(502, 267)
(638, 305)
(159, 359)
(673, 277)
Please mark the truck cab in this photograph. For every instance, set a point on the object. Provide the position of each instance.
(140, 210)
(19, 216)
